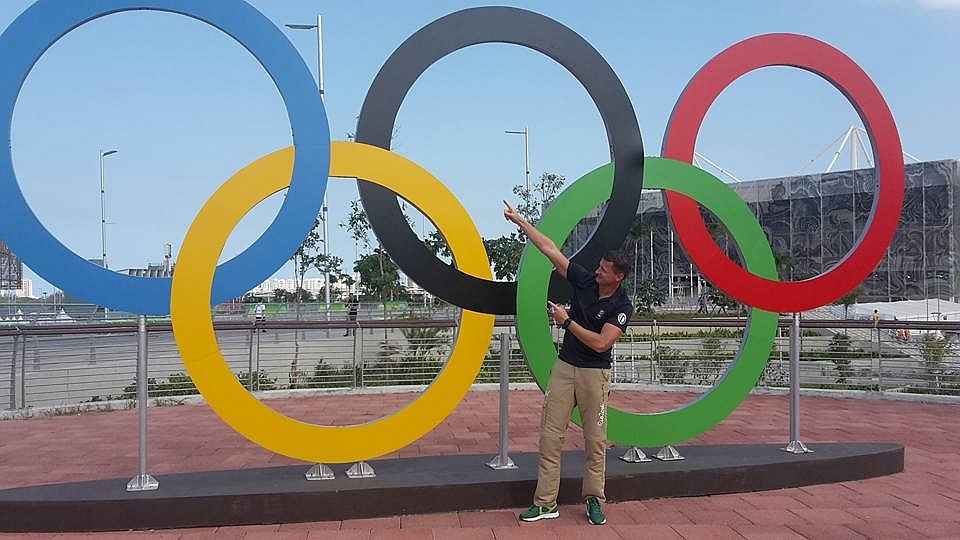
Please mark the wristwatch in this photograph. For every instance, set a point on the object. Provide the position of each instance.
(566, 323)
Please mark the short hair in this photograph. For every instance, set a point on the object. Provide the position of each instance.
(621, 263)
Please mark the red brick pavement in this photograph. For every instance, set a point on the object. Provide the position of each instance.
(922, 502)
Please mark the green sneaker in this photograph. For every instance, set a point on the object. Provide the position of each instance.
(594, 512)
(536, 513)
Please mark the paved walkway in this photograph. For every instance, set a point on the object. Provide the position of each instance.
(922, 502)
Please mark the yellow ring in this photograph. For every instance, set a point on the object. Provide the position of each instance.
(196, 339)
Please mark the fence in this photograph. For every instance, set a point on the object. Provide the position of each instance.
(56, 365)
(914, 357)
(15, 312)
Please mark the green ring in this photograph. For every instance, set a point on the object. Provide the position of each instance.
(669, 427)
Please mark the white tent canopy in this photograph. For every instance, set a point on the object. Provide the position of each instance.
(909, 310)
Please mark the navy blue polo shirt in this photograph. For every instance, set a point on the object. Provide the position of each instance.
(591, 312)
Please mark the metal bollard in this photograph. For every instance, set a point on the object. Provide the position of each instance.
(13, 373)
(879, 362)
(23, 373)
(143, 481)
(502, 460)
(250, 359)
(795, 446)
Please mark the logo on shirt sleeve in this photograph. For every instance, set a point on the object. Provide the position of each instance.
(622, 318)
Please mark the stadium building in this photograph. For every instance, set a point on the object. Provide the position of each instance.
(816, 219)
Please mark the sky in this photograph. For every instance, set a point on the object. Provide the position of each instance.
(185, 106)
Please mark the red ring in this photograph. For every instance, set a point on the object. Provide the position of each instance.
(681, 137)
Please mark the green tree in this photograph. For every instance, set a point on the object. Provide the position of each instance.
(436, 243)
(357, 224)
(933, 350)
(504, 252)
(281, 296)
(533, 201)
(718, 231)
(841, 354)
(305, 259)
(648, 296)
(331, 267)
(341, 277)
(379, 277)
(638, 231)
(303, 295)
(785, 262)
(721, 300)
(849, 299)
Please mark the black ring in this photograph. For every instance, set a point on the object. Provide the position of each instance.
(496, 25)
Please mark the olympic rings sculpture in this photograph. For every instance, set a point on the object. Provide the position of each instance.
(383, 175)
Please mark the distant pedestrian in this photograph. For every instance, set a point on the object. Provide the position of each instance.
(353, 307)
(260, 315)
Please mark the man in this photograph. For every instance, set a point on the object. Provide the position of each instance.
(353, 307)
(598, 315)
(260, 314)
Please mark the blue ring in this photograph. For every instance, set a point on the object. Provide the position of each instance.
(46, 21)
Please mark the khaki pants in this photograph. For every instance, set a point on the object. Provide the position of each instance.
(589, 389)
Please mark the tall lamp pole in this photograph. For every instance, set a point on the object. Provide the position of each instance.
(103, 211)
(323, 213)
(526, 153)
(939, 313)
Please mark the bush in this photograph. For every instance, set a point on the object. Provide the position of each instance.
(490, 370)
(832, 386)
(933, 350)
(177, 384)
(399, 364)
(261, 382)
(671, 365)
(710, 360)
(326, 376)
(841, 354)
(773, 373)
(728, 333)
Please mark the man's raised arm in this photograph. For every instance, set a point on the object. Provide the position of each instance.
(540, 240)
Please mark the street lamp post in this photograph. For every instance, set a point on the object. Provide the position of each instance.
(939, 277)
(103, 211)
(323, 212)
(526, 154)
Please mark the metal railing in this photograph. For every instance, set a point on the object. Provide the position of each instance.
(892, 356)
(14, 312)
(52, 366)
